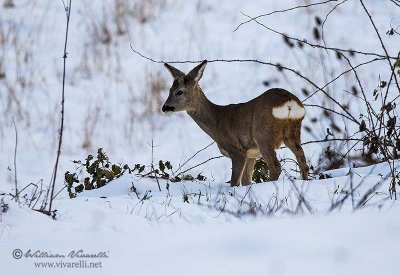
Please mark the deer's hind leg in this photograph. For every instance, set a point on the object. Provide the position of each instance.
(269, 155)
(293, 142)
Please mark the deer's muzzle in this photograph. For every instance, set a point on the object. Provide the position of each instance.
(167, 108)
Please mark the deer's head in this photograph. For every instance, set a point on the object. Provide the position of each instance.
(185, 90)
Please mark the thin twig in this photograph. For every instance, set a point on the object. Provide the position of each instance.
(343, 73)
(326, 18)
(212, 158)
(15, 161)
(197, 152)
(388, 57)
(330, 140)
(68, 13)
(152, 165)
(283, 11)
(313, 45)
(396, 2)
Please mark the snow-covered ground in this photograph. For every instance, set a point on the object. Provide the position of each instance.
(224, 231)
(113, 100)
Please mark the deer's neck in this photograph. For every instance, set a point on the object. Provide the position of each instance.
(205, 115)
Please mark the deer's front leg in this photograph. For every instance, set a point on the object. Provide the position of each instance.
(248, 171)
(238, 163)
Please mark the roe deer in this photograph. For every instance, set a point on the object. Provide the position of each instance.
(244, 131)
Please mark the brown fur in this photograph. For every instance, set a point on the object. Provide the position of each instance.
(244, 131)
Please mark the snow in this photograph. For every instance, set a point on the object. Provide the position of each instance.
(273, 247)
(166, 235)
(109, 104)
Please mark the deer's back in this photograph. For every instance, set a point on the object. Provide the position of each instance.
(275, 97)
(267, 116)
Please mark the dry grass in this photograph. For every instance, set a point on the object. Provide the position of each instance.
(152, 96)
(91, 123)
(146, 10)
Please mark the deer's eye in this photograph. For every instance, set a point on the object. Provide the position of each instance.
(179, 92)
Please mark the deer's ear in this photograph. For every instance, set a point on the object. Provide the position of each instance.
(197, 72)
(175, 73)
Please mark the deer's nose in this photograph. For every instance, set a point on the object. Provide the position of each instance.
(166, 108)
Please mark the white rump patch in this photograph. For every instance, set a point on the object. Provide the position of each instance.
(289, 110)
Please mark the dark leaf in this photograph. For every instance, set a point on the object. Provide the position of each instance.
(316, 33)
(318, 21)
(116, 169)
(300, 44)
(161, 165)
(168, 165)
(305, 92)
(363, 126)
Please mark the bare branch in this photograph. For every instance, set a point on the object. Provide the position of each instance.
(282, 11)
(209, 159)
(388, 57)
(326, 18)
(197, 152)
(15, 160)
(68, 13)
(304, 41)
